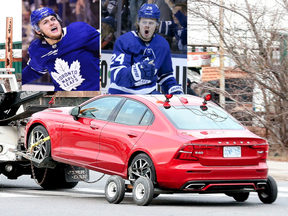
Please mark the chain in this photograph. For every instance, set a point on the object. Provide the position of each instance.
(30, 150)
(34, 177)
(84, 179)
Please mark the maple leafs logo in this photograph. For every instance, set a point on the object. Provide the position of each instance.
(67, 77)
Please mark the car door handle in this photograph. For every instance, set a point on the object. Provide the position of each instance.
(93, 126)
(131, 135)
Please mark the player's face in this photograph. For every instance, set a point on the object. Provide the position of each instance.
(147, 28)
(51, 27)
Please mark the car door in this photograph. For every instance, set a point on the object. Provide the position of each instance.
(80, 137)
(120, 135)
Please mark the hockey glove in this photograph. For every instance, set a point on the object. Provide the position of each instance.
(143, 70)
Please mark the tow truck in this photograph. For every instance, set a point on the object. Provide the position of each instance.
(15, 159)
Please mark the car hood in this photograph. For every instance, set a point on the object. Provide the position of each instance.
(58, 111)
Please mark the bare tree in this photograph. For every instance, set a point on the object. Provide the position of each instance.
(255, 36)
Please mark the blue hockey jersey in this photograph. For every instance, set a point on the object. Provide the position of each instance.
(73, 62)
(130, 49)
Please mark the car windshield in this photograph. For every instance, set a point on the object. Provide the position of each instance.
(193, 118)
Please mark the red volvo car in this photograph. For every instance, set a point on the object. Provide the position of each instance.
(161, 144)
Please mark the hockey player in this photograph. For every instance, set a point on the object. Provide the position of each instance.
(141, 58)
(70, 55)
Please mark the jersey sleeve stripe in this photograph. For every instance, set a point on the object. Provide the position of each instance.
(164, 78)
(117, 69)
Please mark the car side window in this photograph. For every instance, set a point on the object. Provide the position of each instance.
(133, 113)
(147, 118)
(100, 108)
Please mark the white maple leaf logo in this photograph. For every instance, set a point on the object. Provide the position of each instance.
(67, 78)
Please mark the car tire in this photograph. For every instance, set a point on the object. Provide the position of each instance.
(43, 150)
(142, 165)
(54, 178)
(240, 197)
(269, 194)
(114, 189)
(143, 191)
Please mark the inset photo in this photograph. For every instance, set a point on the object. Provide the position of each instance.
(10, 47)
(61, 45)
(144, 47)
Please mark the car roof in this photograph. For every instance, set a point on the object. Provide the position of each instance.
(175, 100)
(159, 99)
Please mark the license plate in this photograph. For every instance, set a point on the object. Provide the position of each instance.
(76, 174)
(231, 151)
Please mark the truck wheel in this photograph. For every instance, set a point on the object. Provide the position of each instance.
(143, 191)
(114, 189)
(269, 194)
(43, 150)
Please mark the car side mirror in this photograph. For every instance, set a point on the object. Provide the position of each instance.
(75, 113)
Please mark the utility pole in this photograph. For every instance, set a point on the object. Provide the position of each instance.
(9, 43)
(221, 53)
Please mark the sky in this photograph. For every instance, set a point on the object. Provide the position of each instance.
(198, 30)
(11, 8)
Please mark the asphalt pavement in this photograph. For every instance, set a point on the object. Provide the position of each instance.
(278, 170)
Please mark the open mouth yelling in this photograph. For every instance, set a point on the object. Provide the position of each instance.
(146, 33)
(54, 29)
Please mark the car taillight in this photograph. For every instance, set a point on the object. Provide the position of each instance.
(186, 153)
(262, 150)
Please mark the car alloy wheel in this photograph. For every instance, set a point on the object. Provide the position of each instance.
(42, 150)
(142, 165)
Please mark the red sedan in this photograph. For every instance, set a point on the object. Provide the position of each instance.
(161, 145)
